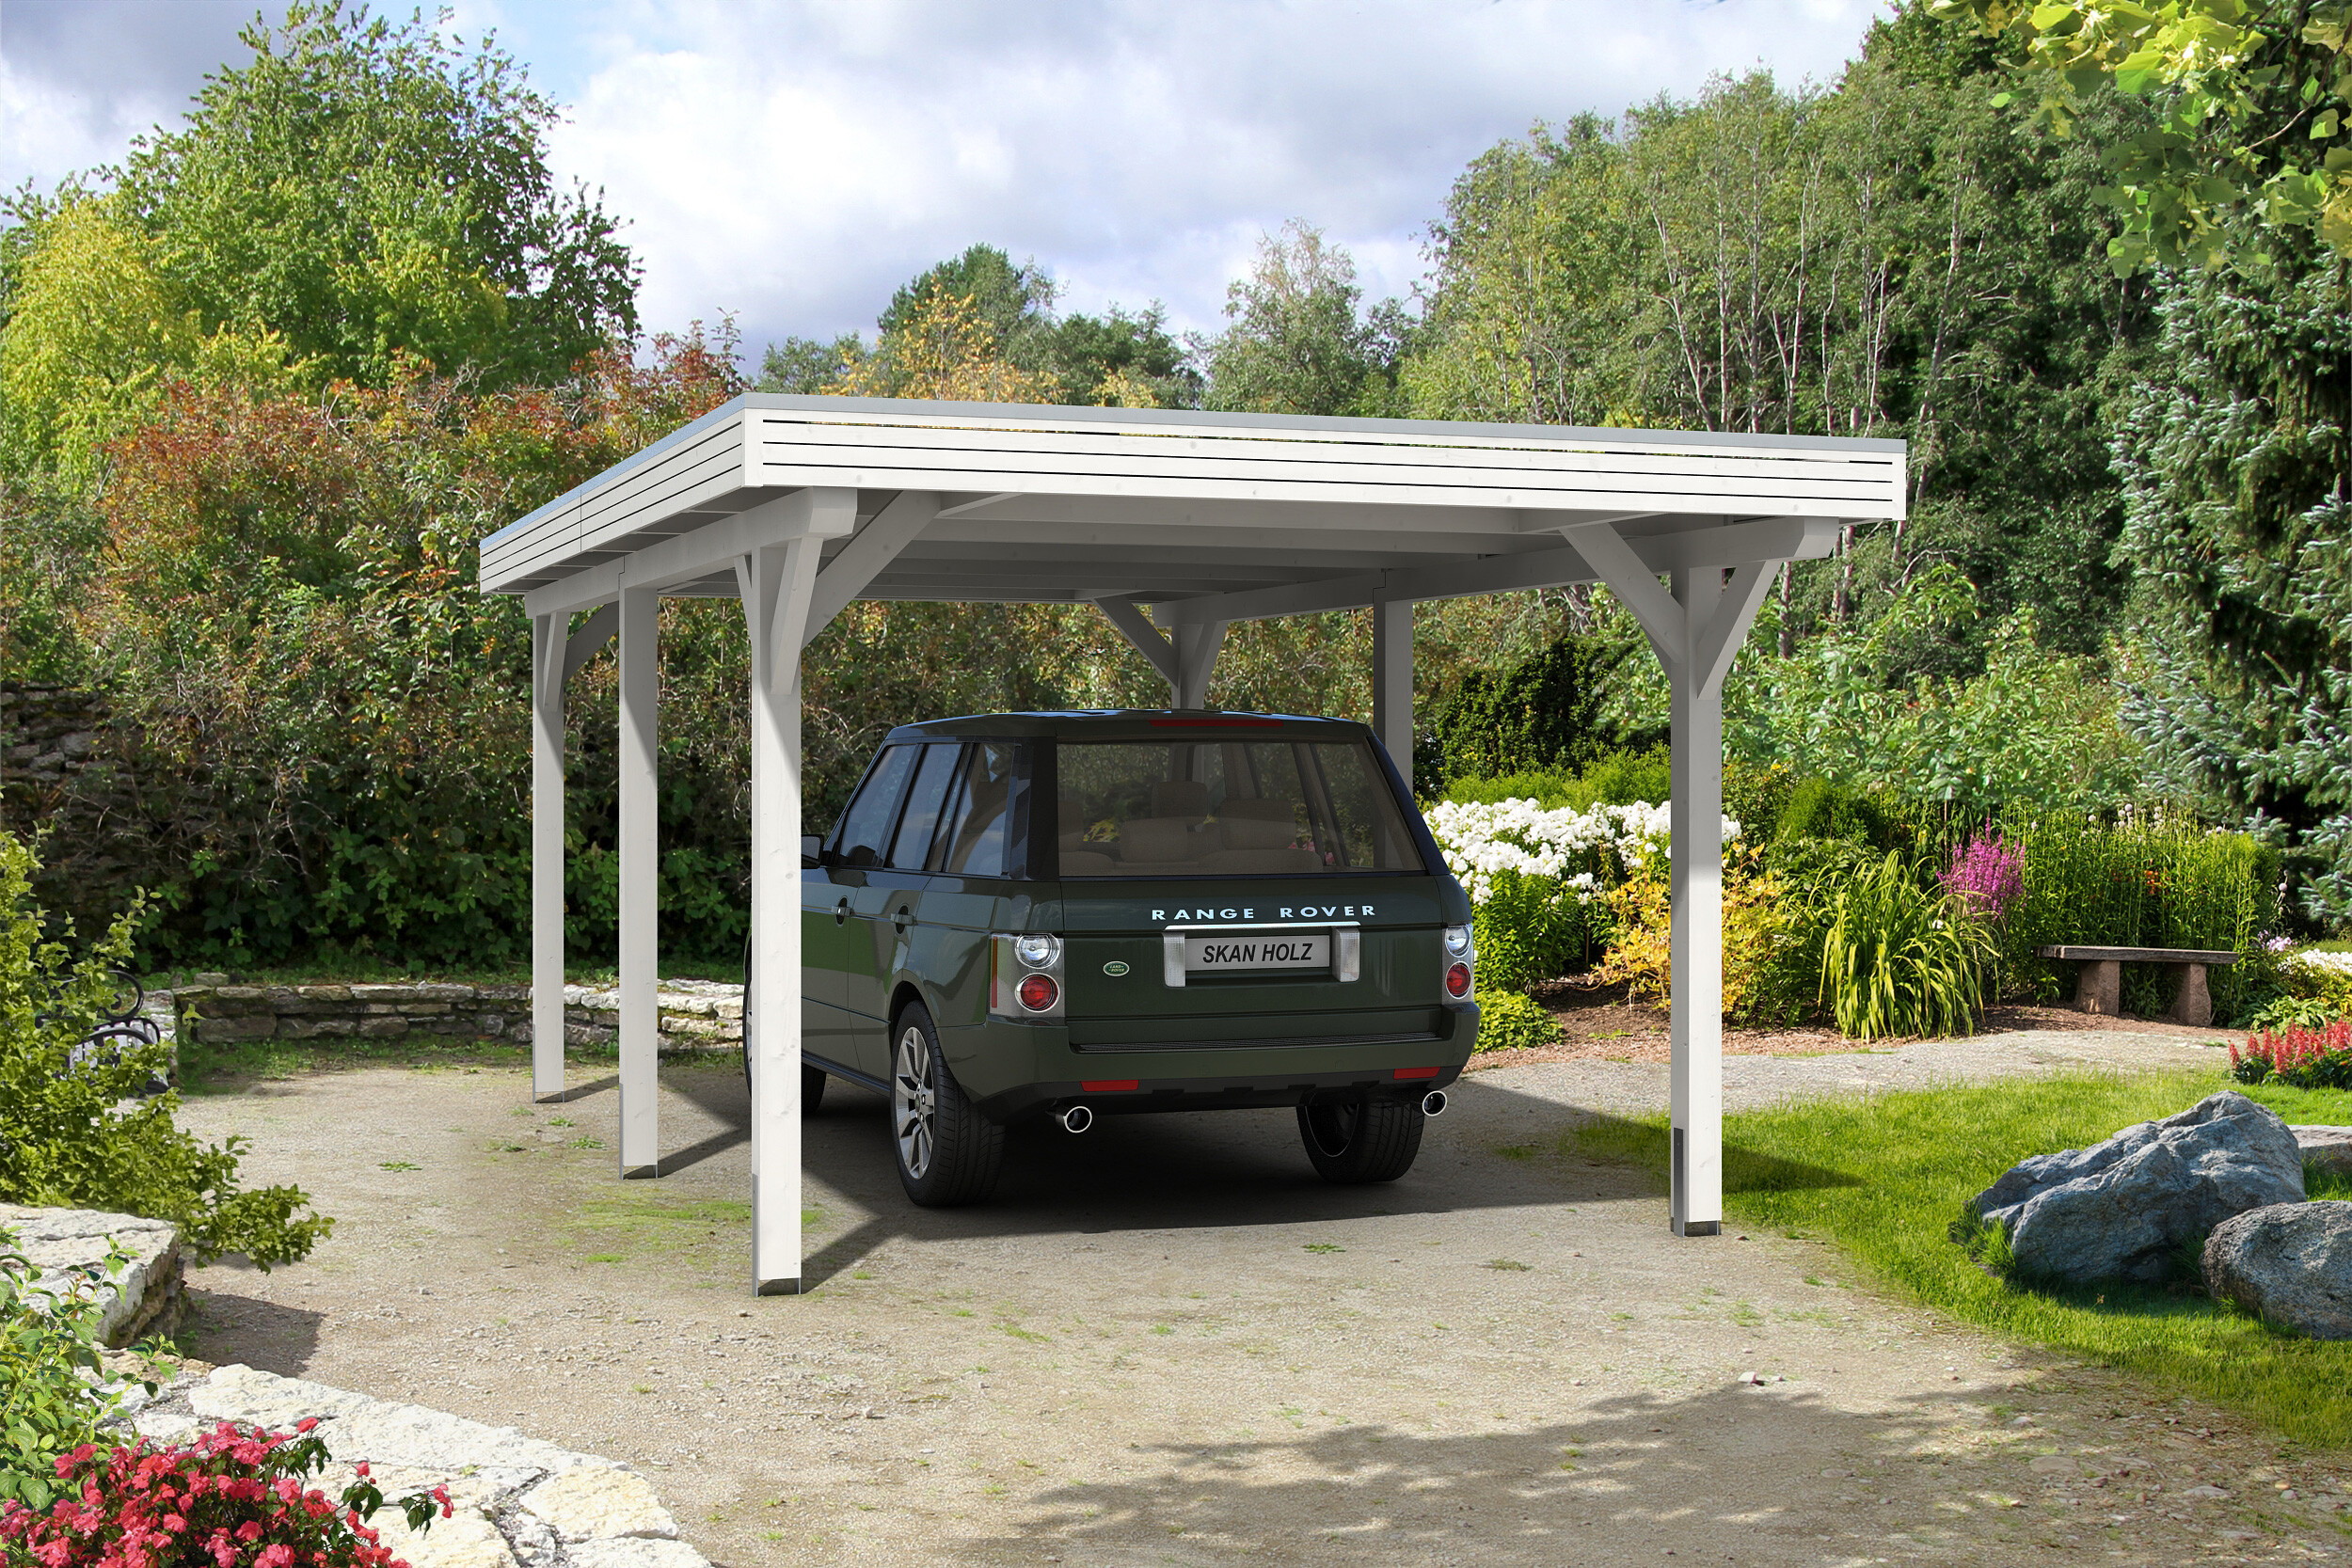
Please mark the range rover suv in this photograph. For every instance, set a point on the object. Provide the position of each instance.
(1100, 914)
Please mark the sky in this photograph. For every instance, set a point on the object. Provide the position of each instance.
(792, 163)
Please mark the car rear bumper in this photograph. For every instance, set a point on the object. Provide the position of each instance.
(1012, 1070)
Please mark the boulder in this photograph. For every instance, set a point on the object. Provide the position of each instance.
(2289, 1264)
(2120, 1209)
(2327, 1145)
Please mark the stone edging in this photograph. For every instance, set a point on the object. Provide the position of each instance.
(146, 1298)
(695, 1015)
(520, 1502)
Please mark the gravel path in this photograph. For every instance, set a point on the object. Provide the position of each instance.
(1620, 1087)
(1165, 1342)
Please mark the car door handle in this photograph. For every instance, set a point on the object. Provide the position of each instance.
(841, 913)
(900, 920)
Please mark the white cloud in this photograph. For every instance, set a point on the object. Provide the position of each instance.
(794, 160)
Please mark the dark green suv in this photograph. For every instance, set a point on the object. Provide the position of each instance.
(1083, 914)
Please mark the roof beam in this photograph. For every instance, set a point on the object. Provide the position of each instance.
(824, 513)
(872, 548)
(589, 640)
(1148, 639)
(1770, 539)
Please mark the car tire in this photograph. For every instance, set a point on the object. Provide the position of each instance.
(947, 1154)
(1356, 1139)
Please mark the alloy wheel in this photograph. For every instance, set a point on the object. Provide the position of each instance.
(915, 1102)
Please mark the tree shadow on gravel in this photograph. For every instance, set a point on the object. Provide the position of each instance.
(1712, 1475)
(1209, 1169)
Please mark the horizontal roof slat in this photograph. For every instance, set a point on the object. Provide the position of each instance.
(1180, 451)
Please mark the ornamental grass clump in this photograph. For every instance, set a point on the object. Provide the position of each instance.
(1900, 959)
(230, 1499)
(2299, 1058)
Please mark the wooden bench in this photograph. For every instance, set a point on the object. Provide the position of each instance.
(2100, 988)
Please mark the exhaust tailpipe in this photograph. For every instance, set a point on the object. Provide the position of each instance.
(1433, 1103)
(1074, 1118)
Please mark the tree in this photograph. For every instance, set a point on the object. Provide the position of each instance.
(943, 345)
(369, 190)
(1298, 343)
(2252, 99)
(807, 366)
(1537, 271)
(1116, 360)
(1012, 305)
(2238, 488)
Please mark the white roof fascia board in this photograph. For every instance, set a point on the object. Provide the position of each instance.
(688, 474)
(916, 411)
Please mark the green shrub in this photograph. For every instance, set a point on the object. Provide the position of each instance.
(1543, 715)
(77, 1134)
(1898, 958)
(52, 1382)
(1513, 1020)
(1528, 930)
(1618, 779)
(1816, 809)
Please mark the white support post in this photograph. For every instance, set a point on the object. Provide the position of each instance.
(546, 855)
(1695, 1204)
(640, 891)
(1392, 681)
(1696, 631)
(1197, 649)
(778, 583)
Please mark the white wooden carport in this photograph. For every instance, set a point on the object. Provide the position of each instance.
(797, 506)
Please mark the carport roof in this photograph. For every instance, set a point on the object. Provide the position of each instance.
(1208, 517)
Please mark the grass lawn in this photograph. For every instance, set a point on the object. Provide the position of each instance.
(1885, 1178)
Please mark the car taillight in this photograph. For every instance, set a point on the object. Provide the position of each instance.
(1038, 992)
(1457, 981)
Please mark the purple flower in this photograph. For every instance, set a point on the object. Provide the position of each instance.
(1986, 875)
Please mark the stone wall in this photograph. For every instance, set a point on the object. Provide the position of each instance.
(696, 1015)
(62, 770)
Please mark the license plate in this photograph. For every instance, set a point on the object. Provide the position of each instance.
(1218, 953)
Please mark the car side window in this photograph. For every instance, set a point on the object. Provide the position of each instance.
(974, 841)
(867, 822)
(911, 847)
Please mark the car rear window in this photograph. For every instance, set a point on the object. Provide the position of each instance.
(1227, 808)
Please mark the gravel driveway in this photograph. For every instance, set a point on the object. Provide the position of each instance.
(1167, 1342)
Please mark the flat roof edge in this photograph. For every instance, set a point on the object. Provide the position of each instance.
(1182, 419)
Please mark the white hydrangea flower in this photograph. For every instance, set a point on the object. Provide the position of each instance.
(1480, 838)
